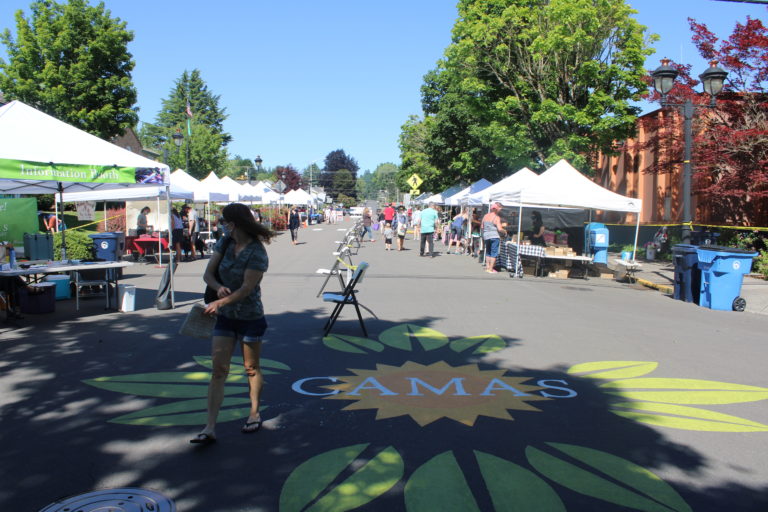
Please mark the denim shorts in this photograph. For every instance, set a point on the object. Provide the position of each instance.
(250, 331)
(492, 247)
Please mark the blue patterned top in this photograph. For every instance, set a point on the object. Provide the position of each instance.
(232, 273)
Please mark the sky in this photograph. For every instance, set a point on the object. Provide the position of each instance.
(300, 79)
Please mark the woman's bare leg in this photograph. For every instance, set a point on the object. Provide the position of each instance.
(222, 348)
(251, 355)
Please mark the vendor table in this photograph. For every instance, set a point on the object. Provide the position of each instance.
(508, 257)
(142, 245)
(110, 268)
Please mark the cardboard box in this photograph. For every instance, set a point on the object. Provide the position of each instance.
(559, 274)
(606, 275)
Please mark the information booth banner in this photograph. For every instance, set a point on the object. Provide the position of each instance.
(18, 216)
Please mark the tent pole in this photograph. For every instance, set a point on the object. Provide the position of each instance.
(159, 242)
(63, 235)
(637, 231)
(170, 242)
(519, 229)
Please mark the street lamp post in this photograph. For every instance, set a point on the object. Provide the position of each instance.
(712, 80)
(257, 161)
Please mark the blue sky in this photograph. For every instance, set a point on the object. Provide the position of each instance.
(302, 78)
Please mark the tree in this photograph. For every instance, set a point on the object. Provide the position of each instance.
(206, 154)
(72, 61)
(288, 175)
(529, 82)
(310, 175)
(730, 158)
(385, 179)
(334, 161)
(344, 183)
(240, 168)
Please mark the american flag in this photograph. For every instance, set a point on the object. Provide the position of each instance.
(189, 111)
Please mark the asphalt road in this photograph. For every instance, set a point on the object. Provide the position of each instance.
(472, 392)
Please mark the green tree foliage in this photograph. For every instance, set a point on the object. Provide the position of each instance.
(527, 83)
(365, 187)
(385, 180)
(203, 104)
(311, 175)
(239, 168)
(334, 161)
(206, 153)
(71, 61)
(344, 183)
(207, 144)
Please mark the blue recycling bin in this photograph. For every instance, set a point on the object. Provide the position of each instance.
(687, 273)
(596, 240)
(108, 246)
(722, 272)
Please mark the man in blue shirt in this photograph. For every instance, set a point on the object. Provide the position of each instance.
(429, 224)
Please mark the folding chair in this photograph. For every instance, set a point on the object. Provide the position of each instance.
(90, 279)
(347, 296)
(335, 270)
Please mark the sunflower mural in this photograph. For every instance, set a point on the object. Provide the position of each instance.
(436, 391)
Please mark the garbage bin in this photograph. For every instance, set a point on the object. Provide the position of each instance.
(722, 272)
(126, 297)
(687, 273)
(38, 246)
(108, 246)
(596, 241)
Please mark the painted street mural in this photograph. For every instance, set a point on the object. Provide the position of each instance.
(415, 421)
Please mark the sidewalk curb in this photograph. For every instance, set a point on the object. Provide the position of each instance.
(669, 290)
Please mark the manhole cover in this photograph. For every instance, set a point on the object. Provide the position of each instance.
(114, 500)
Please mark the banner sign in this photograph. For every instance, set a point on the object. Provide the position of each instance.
(18, 216)
(42, 171)
(86, 210)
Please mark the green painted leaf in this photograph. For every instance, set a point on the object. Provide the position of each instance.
(516, 489)
(685, 418)
(345, 343)
(162, 390)
(178, 377)
(369, 482)
(185, 412)
(485, 344)
(237, 364)
(686, 391)
(310, 478)
(439, 484)
(613, 369)
(401, 336)
(597, 486)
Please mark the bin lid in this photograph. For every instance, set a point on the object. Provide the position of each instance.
(733, 250)
(106, 234)
(684, 248)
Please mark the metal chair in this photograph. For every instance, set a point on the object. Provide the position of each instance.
(347, 296)
(90, 278)
(336, 269)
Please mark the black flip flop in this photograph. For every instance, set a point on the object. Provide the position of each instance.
(203, 439)
(251, 426)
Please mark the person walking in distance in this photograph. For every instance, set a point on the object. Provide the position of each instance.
(241, 260)
(428, 226)
(416, 222)
(492, 231)
(293, 224)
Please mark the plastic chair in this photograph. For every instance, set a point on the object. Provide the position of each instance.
(348, 296)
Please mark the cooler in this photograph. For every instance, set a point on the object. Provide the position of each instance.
(42, 302)
(62, 286)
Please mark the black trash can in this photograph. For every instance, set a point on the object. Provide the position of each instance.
(687, 273)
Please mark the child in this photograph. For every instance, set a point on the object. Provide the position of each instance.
(388, 234)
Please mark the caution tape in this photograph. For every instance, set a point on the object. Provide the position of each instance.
(692, 224)
(81, 226)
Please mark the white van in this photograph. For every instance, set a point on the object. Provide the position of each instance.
(356, 212)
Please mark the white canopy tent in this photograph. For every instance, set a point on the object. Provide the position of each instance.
(523, 177)
(298, 196)
(238, 192)
(563, 186)
(201, 192)
(441, 197)
(460, 197)
(40, 154)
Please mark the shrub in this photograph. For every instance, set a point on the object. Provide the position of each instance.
(761, 264)
(79, 245)
(115, 220)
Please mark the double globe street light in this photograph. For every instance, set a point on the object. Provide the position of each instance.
(712, 80)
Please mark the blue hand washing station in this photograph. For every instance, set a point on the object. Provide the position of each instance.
(596, 241)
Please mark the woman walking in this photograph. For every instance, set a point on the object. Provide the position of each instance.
(293, 224)
(492, 231)
(241, 260)
(367, 222)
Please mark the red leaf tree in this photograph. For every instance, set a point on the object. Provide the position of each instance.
(730, 155)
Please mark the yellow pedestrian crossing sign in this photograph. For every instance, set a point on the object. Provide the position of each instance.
(414, 181)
